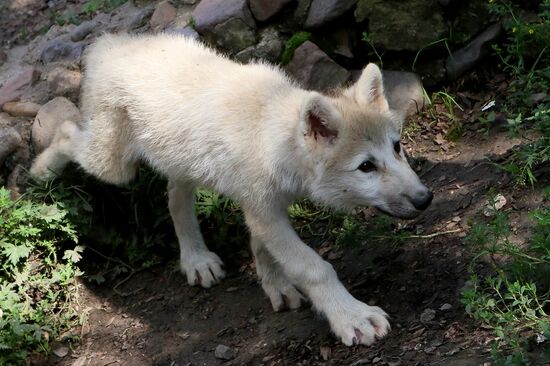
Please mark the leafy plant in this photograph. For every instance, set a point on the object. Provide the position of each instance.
(37, 286)
(514, 298)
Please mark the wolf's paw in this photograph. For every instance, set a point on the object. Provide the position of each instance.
(203, 269)
(282, 293)
(41, 171)
(359, 323)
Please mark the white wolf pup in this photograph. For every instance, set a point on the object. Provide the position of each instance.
(248, 132)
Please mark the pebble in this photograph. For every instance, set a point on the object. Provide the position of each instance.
(446, 307)
(21, 109)
(224, 353)
(427, 315)
(9, 142)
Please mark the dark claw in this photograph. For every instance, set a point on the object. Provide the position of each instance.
(358, 334)
(199, 279)
(354, 341)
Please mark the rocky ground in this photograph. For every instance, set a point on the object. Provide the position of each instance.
(155, 318)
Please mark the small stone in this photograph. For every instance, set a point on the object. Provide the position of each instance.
(224, 353)
(315, 70)
(538, 98)
(376, 360)
(140, 18)
(445, 307)
(50, 115)
(17, 85)
(187, 31)
(62, 81)
(163, 15)
(9, 142)
(82, 30)
(427, 315)
(491, 208)
(21, 109)
(60, 50)
(61, 351)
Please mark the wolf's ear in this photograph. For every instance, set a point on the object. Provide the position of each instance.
(319, 119)
(369, 89)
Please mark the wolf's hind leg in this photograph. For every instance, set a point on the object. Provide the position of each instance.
(276, 285)
(60, 152)
(201, 266)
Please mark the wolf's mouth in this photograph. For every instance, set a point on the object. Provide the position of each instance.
(409, 216)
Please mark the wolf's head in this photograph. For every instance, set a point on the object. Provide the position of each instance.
(353, 139)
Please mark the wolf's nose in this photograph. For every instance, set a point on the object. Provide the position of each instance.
(421, 203)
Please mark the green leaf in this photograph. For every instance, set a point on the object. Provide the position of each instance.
(16, 252)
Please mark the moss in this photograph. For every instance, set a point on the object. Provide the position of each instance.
(290, 46)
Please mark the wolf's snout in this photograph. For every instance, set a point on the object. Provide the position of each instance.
(422, 202)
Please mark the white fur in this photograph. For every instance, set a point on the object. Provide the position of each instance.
(249, 132)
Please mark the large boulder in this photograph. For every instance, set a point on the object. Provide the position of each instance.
(402, 25)
(323, 11)
(315, 70)
(164, 14)
(227, 24)
(21, 108)
(61, 50)
(65, 82)
(265, 9)
(49, 117)
(83, 29)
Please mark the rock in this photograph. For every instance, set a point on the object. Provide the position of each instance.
(82, 30)
(48, 118)
(433, 72)
(404, 92)
(141, 17)
(16, 179)
(300, 13)
(187, 31)
(21, 109)
(496, 205)
(315, 70)
(471, 18)
(226, 23)
(446, 307)
(61, 351)
(323, 11)
(62, 81)
(60, 50)
(269, 48)
(427, 315)
(17, 85)
(9, 142)
(224, 353)
(265, 9)
(402, 25)
(164, 14)
(538, 98)
(190, 2)
(467, 57)
(3, 57)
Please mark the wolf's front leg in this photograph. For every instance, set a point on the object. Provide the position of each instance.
(281, 292)
(201, 266)
(351, 320)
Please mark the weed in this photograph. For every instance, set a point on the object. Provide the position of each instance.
(526, 57)
(290, 46)
(514, 299)
(37, 286)
(370, 42)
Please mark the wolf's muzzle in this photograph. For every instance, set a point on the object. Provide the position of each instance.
(422, 202)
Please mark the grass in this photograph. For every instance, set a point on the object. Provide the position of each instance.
(38, 255)
(512, 296)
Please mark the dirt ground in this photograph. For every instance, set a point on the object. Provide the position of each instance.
(162, 321)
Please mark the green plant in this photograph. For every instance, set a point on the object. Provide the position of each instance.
(290, 46)
(526, 57)
(370, 42)
(514, 298)
(37, 285)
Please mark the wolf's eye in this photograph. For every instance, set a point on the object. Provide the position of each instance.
(367, 167)
(397, 147)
